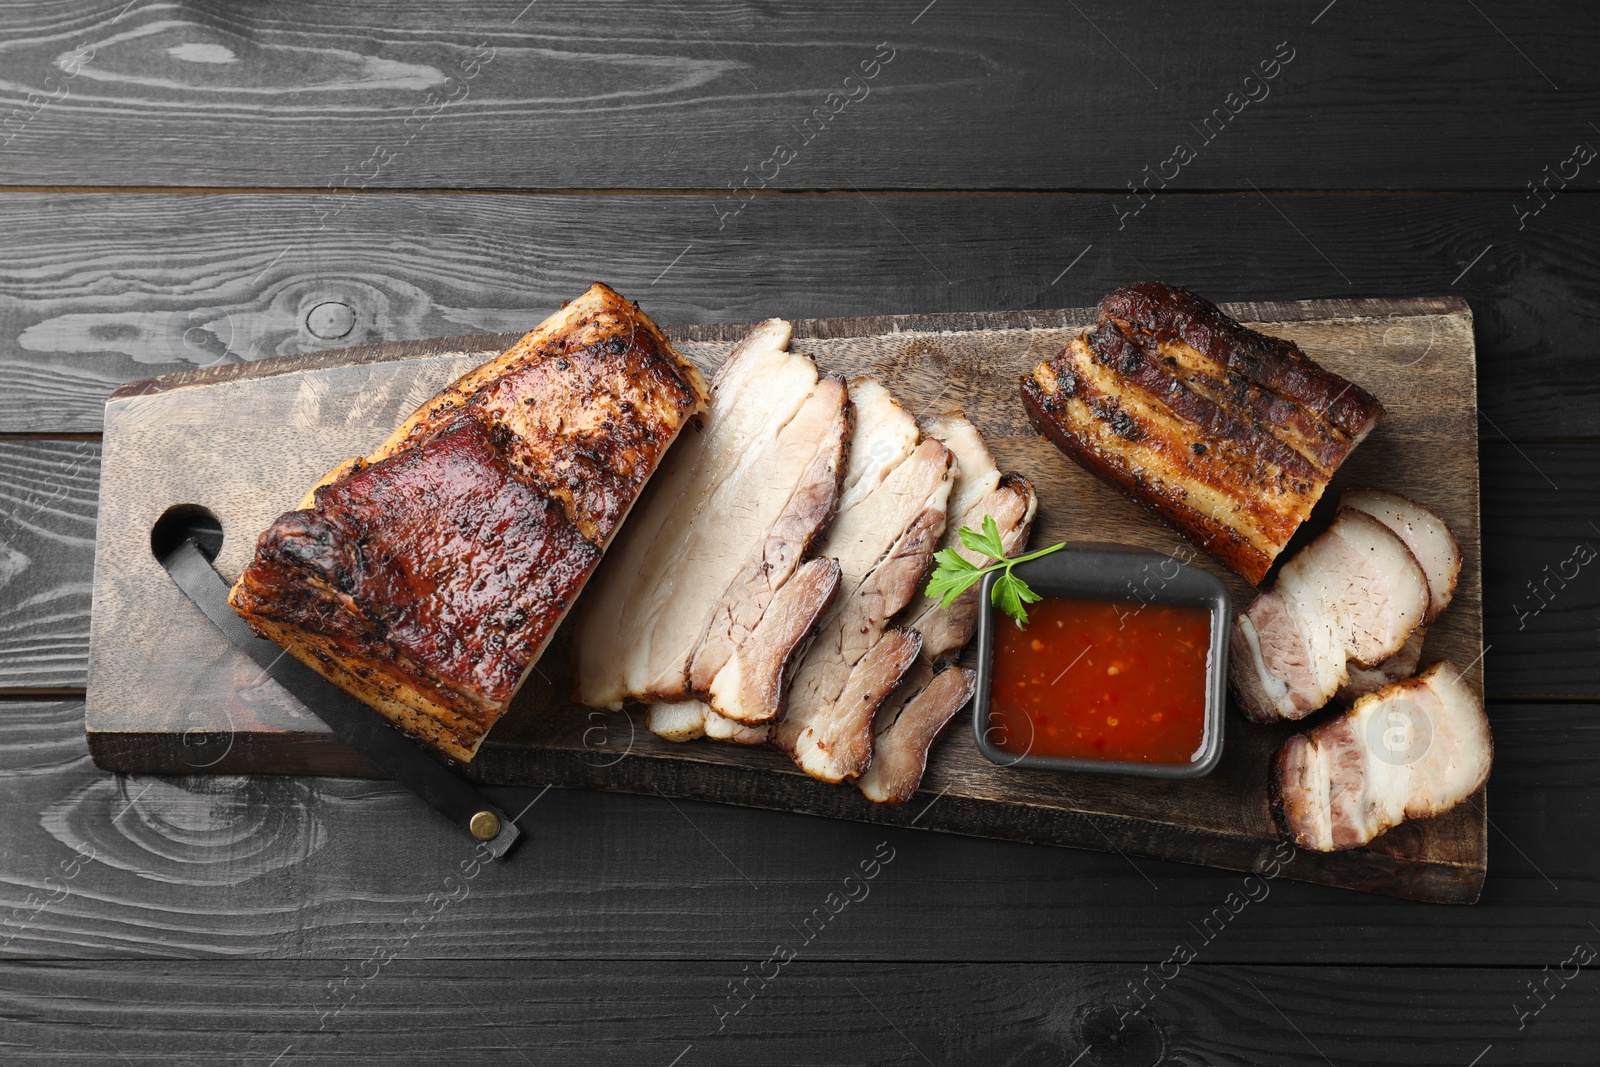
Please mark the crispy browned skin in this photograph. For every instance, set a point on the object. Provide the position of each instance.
(1229, 434)
(426, 578)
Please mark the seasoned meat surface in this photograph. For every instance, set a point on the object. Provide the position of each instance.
(1230, 434)
(427, 578)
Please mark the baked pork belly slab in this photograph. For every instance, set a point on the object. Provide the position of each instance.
(907, 724)
(426, 578)
(1355, 593)
(1411, 750)
(1229, 434)
(891, 516)
(707, 594)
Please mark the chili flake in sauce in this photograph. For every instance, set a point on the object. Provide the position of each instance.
(1102, 680)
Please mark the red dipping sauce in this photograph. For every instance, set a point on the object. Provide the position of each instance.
(1102, 680)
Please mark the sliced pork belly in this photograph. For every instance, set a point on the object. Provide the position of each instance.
(1354, 594)
(1423, 532)
(1229, 434)
(906, 727)
(908, 723)
(685, 596)
(1411, 750)
(976, 473)
(891, 515)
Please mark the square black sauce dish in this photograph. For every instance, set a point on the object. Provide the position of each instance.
(1129, 579)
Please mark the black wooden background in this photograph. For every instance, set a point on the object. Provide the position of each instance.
(187, 183)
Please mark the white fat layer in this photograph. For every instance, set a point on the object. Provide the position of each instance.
(683, 721)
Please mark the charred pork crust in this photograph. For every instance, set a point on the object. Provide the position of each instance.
(1230, 434)
(427, 578)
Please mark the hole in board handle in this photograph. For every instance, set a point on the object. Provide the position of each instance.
(183, 521)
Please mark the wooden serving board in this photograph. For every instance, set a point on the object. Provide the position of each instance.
(168, 695)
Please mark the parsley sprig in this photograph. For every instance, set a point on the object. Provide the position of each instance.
(956, 574)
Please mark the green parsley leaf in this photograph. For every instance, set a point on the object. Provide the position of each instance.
(1007, 595)
(955, 573)
(987, 542)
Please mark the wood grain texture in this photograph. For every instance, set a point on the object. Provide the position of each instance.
(167, 695)
(101, 290)
(48, 498)
(652, 1014)
(698, 94)
(242, 867)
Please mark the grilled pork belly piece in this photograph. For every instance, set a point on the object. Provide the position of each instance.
(1411, 750)
(908, 723)
(891, 515)
(705, 596)
(1229, 434)
(427, 578)
(1355, 593)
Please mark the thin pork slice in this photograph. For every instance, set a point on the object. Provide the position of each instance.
(906, 727)
(891, 515)
(908, 723)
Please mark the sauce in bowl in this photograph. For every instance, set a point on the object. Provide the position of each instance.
(1102, 680)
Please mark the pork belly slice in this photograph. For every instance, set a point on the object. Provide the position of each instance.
(427, 578)
(1423, 532)
(908, 724)
(754, 677)
(891, 516)
(911, 720)
(1355, 594)
(1229, 434)
(680, 611)
(1411, 750)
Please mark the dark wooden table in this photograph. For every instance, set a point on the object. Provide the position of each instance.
(194, 183)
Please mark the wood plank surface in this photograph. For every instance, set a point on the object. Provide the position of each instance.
(99, 291)
(48, 498)
(699, 94)
(808, 1013)
(166, 695)
(1535, 506)
(260, 867)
